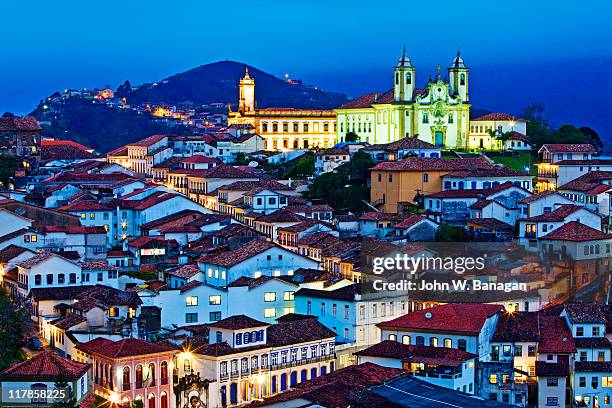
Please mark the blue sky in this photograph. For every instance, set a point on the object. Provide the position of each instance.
(555, 52)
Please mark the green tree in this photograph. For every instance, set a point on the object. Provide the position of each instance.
(351, 137)
(569, 134)
(69, 401)
(137, 404)
(303, 168)
(346, 188)
(8, 165)
(538, 129)
(500, 136)
(593, 138)
(449, 233)
(13, 330)
(240, 160)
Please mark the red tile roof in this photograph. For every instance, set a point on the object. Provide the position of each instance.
(367, 100)
(231, 258)
(490, 223)
(44, 366)
(498, 116)
(332, 152)
(148, 141)
(237, 322)
(434, 164)
(555, 335)
(124, 348)
(198, 158)
(410, 221)
(445, 356)
(407, 143)
(74, 229)
(576, 232)
(23, 123)
(338, 389)
(453, 317)
(68, 321)
(154, 241)
(569, 148)
(40, 258)
(185, 271)
(86, 206)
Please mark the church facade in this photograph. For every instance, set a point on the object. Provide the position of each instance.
(283, 128)
(438, 114)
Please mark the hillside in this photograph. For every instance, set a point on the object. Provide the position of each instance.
(218, 82)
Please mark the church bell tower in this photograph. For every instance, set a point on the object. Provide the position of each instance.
(404, 79)
(246, 102)
(458, 78)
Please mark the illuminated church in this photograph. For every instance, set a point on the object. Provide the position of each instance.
(283, 128)
(438, 114)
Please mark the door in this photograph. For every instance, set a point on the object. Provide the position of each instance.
(233, 393)
(439, 139)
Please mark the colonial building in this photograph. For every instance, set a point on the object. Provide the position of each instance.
(283, 128)
(438, 114)
(20, 136)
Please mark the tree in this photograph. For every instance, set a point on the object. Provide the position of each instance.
(346, 187)
(137, 404)
(593, 138)
(8, 115)
(8, 165)
(69, 400)
(538, 130)
(567, 134)
(500, 136)
(449, 233)
(13, 330)
(303, 168)
(240, 160)
(351, 137)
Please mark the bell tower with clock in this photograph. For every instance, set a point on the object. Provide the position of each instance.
(458, 78)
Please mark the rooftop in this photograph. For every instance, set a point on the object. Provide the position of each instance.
(44, 366)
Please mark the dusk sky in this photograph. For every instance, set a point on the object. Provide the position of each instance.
(554, 52)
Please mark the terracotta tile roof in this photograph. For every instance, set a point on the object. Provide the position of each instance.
(86, 206)
(475, 193)
(514, 135)
(226, 171)
(22, 123)
(380, 216)
(124, 348)
(198, 158)
(517, 327)
(589, 183)
(282, 215)
(498, 116)
(11, 252)
(40, 258)
(592, 342)
(367, 100)
(309, 209)
(237, 322)
(231, 258)
(445, 356)
(410, 221)
(250, 282)
(185, 271)
(537, 196)
(64, 152)
(74, 229)
(407, 143)
(490, 223)
(420, 164)
(454, 317)
(148, 141)
(68, 321)
(251, 185)
(154, 199)
(152, 241)
(569, 148)
(97, 266)
(483, 173)
(44, 366)
(296, 332)
(587, 312)
(59, 142)
(576, 232)
(591, 162)
(565, 210)
(340, 388)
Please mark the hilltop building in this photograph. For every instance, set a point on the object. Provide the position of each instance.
(283, 128)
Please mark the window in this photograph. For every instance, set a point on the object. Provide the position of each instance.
(462, 344)
(270, 297)
(425, 178)
(61, 278)
(37, 279)
(531, 351)
(583, 356)
(552, 382)
(606, 381)
(518, 350)
(579, 331)
(393, 337)
(289, 295)
(191, 317)
(425, 117)
(582, 381)
(433, 341)
(595, 331)
(49, 279)
(405, 339)
(448, 343)
(323, 309)
(420, 341)
(270, 312)
(507, 350)
(493, 379)
(346, 311)
(113, 312)
(334, 309)
(191, 301)
(214, 299)
(214, 316)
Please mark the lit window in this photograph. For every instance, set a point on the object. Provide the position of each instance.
(270, 312)
(214, 299)
(270, 296)
(289, 295)
(192, 301)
